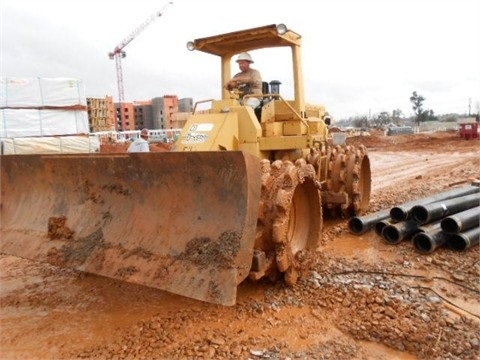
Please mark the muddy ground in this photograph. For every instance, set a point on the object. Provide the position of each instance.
(364, 299)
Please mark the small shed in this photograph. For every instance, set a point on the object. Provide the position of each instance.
(468, 130)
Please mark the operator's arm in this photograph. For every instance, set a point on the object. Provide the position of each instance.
(252, 78)
(236, 81)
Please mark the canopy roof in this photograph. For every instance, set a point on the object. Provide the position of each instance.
(246, 40)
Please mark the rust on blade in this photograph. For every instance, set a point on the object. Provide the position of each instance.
(181, 222)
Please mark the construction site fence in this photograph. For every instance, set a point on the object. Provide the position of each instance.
(160, 135)
(80, 143)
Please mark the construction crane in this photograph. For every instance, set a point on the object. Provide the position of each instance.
(118, 53)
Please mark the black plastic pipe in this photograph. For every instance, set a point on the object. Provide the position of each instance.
(381, 224)
(461, 221)
(395, 233)
(360, 225)
(426, 213)
(402, 212)
(427, 242)
(464, 240)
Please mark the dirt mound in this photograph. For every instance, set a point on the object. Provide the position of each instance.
(443, 141)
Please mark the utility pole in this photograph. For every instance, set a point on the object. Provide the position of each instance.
(118, 54)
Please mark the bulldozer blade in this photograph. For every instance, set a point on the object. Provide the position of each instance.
(180, 222)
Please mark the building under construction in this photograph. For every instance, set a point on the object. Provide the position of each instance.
(160, 113)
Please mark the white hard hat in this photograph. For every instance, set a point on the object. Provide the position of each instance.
(244, 57)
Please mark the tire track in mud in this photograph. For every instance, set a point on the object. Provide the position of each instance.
(392, 168)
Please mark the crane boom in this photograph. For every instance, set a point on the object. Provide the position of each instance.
(118, 53)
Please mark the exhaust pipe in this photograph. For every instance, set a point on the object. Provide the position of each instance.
(424, 214)
(402, 212)
(464, 240)
(461, 221)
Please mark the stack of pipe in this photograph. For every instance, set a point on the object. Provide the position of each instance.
(448, 218)
(464, 229)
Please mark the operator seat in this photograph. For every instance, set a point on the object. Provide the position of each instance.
(265, 87)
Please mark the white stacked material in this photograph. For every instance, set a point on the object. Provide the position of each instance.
(41, 92)
(339, 138)
(51, 145)
(16, 123)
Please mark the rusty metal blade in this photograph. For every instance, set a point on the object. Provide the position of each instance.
(181, 222)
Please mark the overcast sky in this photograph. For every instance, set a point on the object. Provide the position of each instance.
(359, 57)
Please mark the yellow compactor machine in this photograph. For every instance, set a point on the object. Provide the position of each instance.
(241, 195)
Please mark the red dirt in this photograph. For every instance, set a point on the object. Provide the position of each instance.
(365, 299)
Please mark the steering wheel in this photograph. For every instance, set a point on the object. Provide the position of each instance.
(236, 93)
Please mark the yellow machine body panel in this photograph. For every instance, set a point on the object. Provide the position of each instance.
(226, 126)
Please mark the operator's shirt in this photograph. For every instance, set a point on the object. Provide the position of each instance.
(139, 145)
(254, 85)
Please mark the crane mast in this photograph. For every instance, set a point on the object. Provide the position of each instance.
(118, 54)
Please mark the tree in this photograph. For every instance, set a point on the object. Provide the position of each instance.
(429, 115)
(397, 115)
(417, 101)
(383, 118)
(360, 122)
